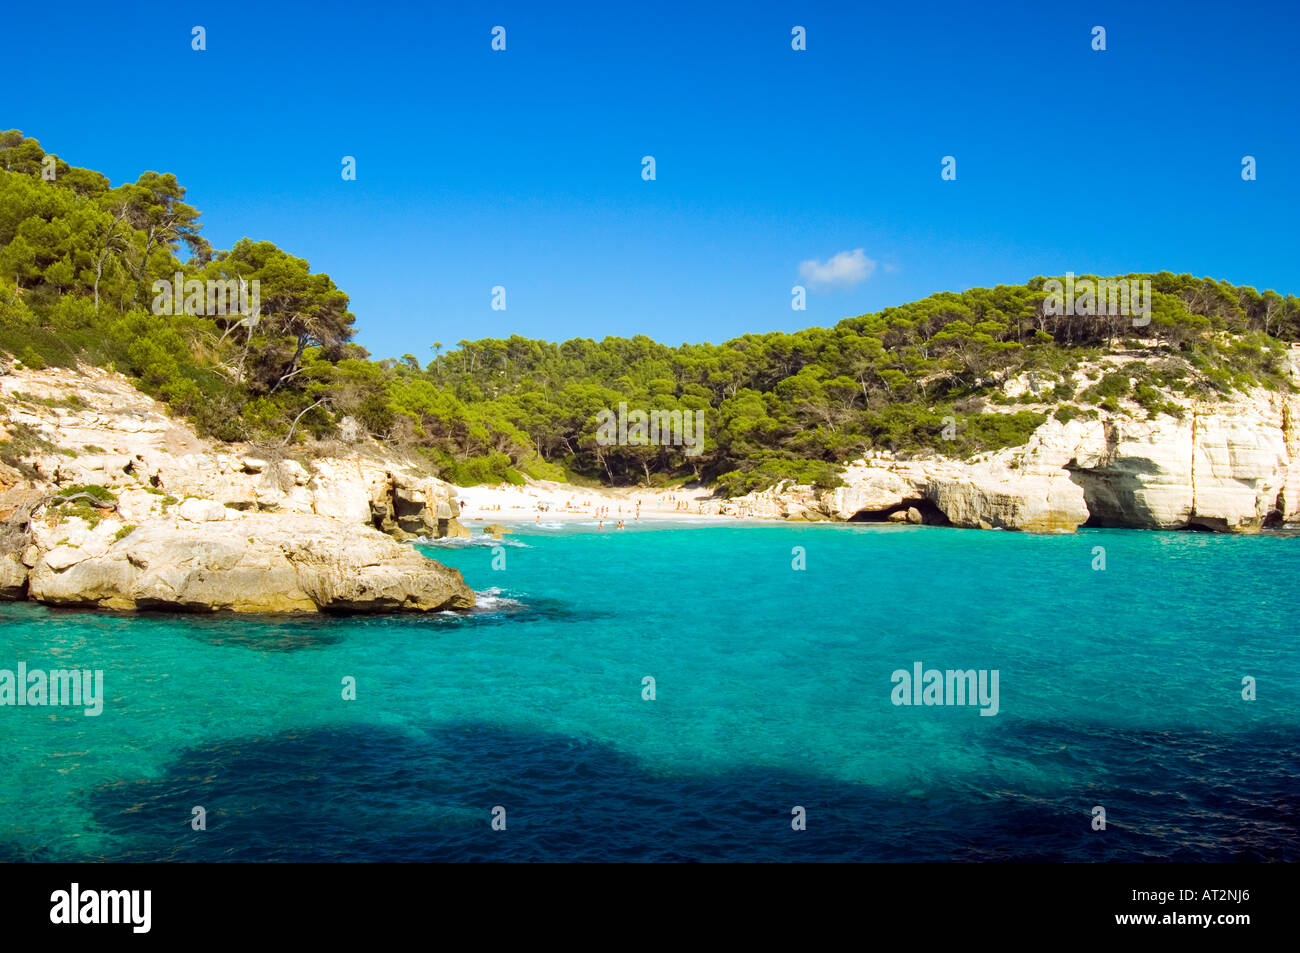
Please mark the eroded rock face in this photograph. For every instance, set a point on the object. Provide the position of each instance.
(120, 438)
(199, 526)
(1228, 469)
(1233, 466)
(410, 507)
(1032, 497)
(265, 563)
(13, 577)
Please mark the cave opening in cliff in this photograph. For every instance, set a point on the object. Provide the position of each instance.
(930, 515)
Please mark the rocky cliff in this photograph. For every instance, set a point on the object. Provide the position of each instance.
(1227, 466)
(107, 502)
(1231, 465)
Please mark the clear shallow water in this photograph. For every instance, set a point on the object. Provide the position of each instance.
(1119, 688)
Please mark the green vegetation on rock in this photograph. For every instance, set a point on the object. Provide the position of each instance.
(84, 501)
(79, 258)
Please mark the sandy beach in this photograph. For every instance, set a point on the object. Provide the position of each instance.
(547, 501)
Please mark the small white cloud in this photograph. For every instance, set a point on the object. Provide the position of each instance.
(843, 270)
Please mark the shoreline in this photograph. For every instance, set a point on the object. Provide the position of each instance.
(544, 504)
(544, 501)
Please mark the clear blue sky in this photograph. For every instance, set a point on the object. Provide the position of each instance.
(523, 168)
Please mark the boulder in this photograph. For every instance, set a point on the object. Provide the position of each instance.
(267, 563)
(452, 529)
(13, 577)
(201, 511)
(344, 491)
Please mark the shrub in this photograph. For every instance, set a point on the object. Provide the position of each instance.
(817, 473)
(103, 494)
(493, 468)
(984, 432)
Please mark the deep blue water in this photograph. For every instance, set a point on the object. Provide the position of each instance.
(1119, 688)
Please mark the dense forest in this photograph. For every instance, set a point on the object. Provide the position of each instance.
(79, 259)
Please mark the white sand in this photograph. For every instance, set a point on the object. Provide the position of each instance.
(561, 501)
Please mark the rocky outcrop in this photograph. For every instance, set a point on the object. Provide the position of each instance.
(1208, 470)
(1231, 466)
(13, 577)
(97, 429)
(209, 561)
(180, 523)
(411, 508)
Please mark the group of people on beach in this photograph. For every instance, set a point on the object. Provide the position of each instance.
(604, 512)
(678, 502)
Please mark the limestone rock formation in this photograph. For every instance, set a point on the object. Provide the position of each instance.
(190, 524)
(13, 576)
(1230, 466)
(112, 435)
(265, 563)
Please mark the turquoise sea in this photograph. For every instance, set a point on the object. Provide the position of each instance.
(1119, 688)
